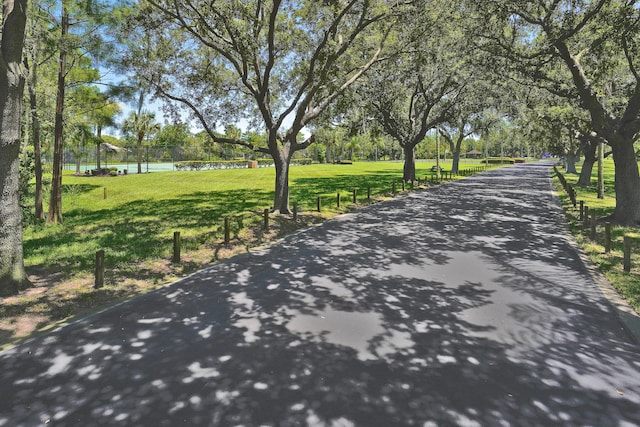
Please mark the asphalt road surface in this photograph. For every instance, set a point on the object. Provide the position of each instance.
(462, 305)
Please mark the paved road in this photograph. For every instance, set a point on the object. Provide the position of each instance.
(461, 305)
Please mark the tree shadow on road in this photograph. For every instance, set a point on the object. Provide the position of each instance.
(454, 306)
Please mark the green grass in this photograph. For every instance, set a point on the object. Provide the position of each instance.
(137, 219)
(627, 284)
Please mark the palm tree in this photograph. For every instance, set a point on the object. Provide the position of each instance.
(104, 117)
(140, 125)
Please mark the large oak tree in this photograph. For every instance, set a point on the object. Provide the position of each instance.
(597, 44)
(417, 88)
(282, 61)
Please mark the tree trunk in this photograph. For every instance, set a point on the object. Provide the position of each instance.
(627, 181)
(409, 173)
(589, 151)
(139, 150)
(77, 156)
(455, 166)
(99, 134)
(282, 160)
(455, 151)
(37, 146)
(12, 82)
(55, 202)
(571, 159)
(600, 170)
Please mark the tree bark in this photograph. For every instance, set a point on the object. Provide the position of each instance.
(571, 159)
(627, 181)
(409, 172)
(12, 81)
(54, 215)
(282, 160)
(37, 145)
(589, 151)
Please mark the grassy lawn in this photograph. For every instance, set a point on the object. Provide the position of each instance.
(627, 284)
(135, 223)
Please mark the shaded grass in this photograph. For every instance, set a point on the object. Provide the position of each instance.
(134, 224)
(611, 264)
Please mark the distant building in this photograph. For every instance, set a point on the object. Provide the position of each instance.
(473, 154)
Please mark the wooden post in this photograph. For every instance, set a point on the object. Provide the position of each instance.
(368, 193)
(99, 273)
(594, 222)
(607, 237)
(627, 254)
(227, 231)
(265, 215)
(176, 247)
(581, 210)
(411, 187)
(338, 200)
(403, 185)
(295, 211)
(355, 193)
(105, 193)
(393, 187)
(319, 204)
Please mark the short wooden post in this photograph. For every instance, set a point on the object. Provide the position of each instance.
(607, 237)
(355, 194)
(295, 211)
(99, 273)
(403, 185)
(338, 200)
(368, 193)
(581, 210)
(319, 204)
(265, 219)
(627, 254)
(176, 247)
(105, 193)
(594, 222)
(227, 231)
(393, 187)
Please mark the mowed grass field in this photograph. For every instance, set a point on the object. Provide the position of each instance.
(135, 222)
(137, 218)
(626, 283)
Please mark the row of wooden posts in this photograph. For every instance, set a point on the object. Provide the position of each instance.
(589, 221)
(100, 262)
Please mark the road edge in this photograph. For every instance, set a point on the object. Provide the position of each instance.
(629, 319)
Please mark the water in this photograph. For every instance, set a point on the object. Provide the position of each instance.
(131, 167)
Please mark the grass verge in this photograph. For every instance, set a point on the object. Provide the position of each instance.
(610, 263)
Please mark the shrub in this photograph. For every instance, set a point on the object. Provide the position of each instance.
(229, 164)
(500, 160)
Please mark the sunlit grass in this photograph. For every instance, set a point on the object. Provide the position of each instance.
(137, 218)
